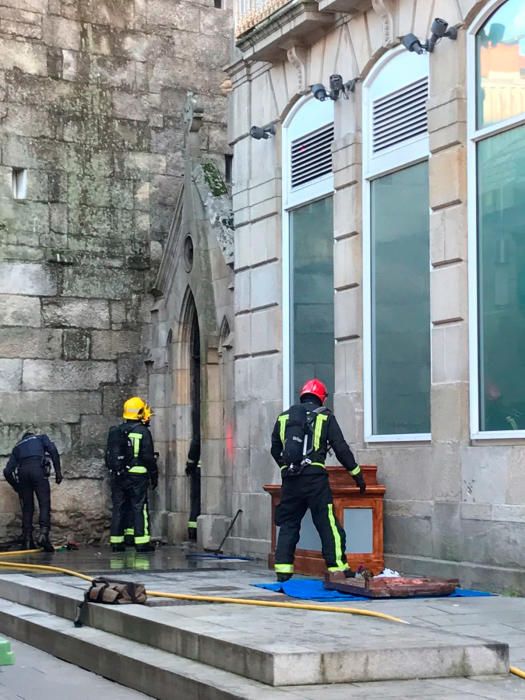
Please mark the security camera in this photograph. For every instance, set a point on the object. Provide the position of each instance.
(262, 132)
(319, 92)
(257, 132)
(412, 43)
(349, 86)
(439, 28)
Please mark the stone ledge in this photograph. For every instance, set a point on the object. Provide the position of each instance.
(296, 22)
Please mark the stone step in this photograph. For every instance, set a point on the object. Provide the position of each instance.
(156, 673)
(274, 646)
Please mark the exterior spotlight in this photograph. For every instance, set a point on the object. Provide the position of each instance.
(412, 43)
(438, 29)
(319, 92)
(262, 132)
(337, 88)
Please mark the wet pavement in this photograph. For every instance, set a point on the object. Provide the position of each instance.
(101, 560)
(175, 569)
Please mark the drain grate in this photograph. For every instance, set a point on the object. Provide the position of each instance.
(216, 589)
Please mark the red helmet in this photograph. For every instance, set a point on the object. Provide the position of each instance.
(315, 387)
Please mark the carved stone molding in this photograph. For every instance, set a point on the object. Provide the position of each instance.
(387, 12)
(192, 114)
(297, 56)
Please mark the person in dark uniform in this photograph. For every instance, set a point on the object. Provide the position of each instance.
(305, 482)
(193, 470)
(129, 528)
(131, 486)
(27, 471)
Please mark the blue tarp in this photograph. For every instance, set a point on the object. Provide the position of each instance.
(313, 589)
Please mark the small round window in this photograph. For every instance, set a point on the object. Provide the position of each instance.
(188, 253)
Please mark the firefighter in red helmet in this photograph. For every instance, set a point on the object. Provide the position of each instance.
(300, 441)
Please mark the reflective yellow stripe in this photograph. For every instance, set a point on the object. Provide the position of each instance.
(317, 464)
(146, 519)
(284, 568)
(138, 470)
(341, 565)
(192, 523)
(282, 426)
(356, 471)
(135, 441)
(129, 531)
(338, 568)
(142, 539)
(116, 539)
(321, 418)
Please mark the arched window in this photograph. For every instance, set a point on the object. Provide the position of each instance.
(497, 220)
(396, 327)
(308, 282)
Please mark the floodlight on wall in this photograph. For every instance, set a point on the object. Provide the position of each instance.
(262, 132)
(438, 30)
(337, 88)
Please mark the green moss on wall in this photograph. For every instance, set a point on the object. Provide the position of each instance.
(214, 179)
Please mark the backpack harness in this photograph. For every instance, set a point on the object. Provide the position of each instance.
(300, 432)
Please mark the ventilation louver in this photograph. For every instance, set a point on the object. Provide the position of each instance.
(312, 155)
(400, 116)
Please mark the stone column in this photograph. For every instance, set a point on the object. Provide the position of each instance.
(347, 163)
(448, 289)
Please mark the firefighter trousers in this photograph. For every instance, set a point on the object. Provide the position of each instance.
(195, 497)
(129, 520)
(299, 493)
(130, 490)
(33, 481)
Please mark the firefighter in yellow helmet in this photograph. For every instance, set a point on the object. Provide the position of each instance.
(129, 526)
(131, 461)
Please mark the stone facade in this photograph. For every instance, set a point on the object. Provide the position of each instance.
(91, 101)
(453, 505)
(194, 294)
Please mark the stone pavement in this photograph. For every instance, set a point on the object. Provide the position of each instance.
(37, 675)
(496, 618)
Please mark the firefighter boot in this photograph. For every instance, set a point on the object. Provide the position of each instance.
(281, 578)
(192, 534)
(147, 547)
(44, 540)
(28, 541)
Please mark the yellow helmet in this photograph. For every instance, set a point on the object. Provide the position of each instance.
(148, 413)
(134, 408)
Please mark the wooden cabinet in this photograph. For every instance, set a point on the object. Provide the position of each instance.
(361, 516)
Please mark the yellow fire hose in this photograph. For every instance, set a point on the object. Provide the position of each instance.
(217, 599)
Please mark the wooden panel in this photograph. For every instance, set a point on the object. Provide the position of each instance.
(346, 495)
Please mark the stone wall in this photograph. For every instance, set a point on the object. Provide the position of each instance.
(91, 100)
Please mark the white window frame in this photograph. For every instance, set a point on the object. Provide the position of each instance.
(395, 70)
(476, 135)
(306, 116)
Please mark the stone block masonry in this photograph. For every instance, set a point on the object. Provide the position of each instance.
(91, 100)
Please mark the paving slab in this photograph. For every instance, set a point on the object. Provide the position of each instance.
(504, 616)
(275, 646)
(166, 676)
(37, 674)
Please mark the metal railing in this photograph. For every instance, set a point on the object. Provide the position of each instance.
(249, 13)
